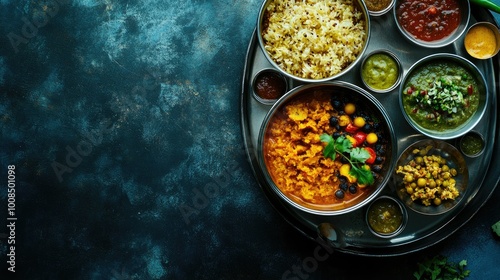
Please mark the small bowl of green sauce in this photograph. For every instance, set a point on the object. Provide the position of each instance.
(386, 217)
(472, 144)
(381, 71)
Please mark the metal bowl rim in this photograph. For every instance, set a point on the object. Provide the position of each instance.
(438, 43)
(475, 118)
(297, 91)
(404, 213)
(400, 70)
(441, 145)
(383, 11)
(265, 101)
(305, 80)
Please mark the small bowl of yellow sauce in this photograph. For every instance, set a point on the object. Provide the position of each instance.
(386, 217)
(381, 71)
(482, 40)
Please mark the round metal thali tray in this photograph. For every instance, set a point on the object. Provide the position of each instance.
(421, 231)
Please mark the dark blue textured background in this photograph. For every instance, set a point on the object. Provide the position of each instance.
(117, 114)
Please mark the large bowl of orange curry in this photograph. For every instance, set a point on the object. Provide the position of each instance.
(327, 148)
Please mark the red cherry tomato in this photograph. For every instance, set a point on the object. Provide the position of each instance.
(351, 128)
(372, 157)
(360, 137)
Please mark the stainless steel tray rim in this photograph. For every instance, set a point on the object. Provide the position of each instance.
(477, 197)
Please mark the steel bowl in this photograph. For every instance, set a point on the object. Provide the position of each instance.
(379, 11)
(271, 81)
(444, 133)
(453, 158)
(382, 74)
(392, 208)
(262, 22)
(464, 7)
(477, 43)
(335, 90)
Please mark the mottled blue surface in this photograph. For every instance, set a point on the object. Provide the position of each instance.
(118, 116)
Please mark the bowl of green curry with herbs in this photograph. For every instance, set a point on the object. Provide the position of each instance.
(443, 96)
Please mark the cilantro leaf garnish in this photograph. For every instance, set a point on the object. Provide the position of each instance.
(357, 156)
(496, 228)
(329, 150)
(439, 268)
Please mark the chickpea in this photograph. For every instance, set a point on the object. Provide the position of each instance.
(421, 182)
(428, 178)
(408, 178)
(419, 160)
(432, 184)
(437, 201)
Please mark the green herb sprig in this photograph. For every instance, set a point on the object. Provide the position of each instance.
(357, 156)
(438, 268)
(496, 228)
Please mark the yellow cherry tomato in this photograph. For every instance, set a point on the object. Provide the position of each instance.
(350, 108)
(344, 171)
(352, 140)
(359, 121)
(371, 138)
(344, 120)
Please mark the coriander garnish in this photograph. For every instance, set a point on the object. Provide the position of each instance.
(357, 157)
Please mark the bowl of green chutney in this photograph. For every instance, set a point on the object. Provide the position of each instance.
(381, 71)
(443, 96)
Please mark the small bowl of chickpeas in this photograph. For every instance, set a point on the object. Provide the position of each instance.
(431, 177)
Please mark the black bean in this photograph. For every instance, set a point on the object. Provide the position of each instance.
(334, 121)
(339, 194)
(377, 168)
(353, 189)
(344, 186)
(367, 128)
(337, 104)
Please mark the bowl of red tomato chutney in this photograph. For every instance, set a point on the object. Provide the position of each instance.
(327, 148)
(443, 96)
(268, 86)
(432, 23)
